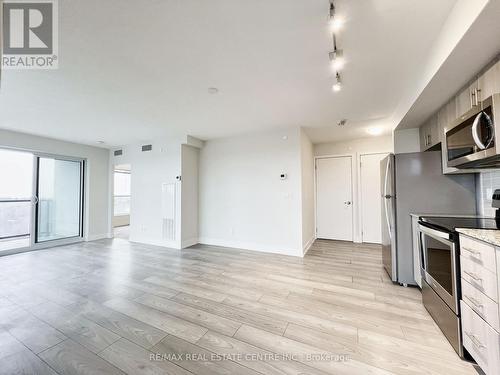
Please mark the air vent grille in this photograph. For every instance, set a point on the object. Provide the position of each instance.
(118, 152)
(147, 148)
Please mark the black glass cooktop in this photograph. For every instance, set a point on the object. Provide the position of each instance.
(449, 224)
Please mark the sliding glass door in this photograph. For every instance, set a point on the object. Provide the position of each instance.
(16, 199)
(41, 200)
(59, 199)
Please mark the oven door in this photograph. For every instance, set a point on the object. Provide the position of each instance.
(439, 264)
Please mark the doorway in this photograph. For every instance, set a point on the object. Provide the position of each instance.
(41, 200)
(371, 197)
(122, 179)
(334, 205)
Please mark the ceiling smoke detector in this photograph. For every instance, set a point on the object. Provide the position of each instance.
(342, 123)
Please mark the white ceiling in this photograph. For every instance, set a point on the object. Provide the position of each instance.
(464, 63)
(135, 71)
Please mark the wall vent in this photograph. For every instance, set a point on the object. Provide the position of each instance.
(168, 208)
(118, 152)
(147, 148)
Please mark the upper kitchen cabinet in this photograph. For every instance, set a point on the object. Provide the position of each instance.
(429, 134)
(467, 98)
(489, 81)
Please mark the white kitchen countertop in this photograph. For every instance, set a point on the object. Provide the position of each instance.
(486, 235)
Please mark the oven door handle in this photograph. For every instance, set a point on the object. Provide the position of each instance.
(434, 233)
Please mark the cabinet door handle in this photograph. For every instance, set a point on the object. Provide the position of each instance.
(477, 96)
(475, 302)
(475, 340)
(473, 276)
(472, 99)
(477, 254)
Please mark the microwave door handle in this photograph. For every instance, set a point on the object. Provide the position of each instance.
(475, 132)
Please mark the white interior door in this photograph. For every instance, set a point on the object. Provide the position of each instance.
(334, 198)
(371, 198)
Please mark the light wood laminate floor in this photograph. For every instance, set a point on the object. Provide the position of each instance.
(114, 307)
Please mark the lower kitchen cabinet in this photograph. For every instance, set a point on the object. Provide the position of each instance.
(480, 277)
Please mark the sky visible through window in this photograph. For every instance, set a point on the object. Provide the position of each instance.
(16, 181)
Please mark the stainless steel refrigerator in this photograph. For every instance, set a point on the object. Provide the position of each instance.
(414, 183)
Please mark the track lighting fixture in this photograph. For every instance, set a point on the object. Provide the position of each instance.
(338, 83)
(335, 21)
(336, 56)
(337, 60)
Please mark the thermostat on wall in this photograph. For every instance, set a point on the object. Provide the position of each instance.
(283, 176)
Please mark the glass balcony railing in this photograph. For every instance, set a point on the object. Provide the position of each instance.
(15, 218)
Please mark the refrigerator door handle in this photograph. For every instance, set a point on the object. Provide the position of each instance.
(387, 197)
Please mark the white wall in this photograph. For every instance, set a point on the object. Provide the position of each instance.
(97, 216)
(486, 184)
(243, 202)
(307, 168)
(189, 204)
(356, 148)
(149, 171)
(406, 141)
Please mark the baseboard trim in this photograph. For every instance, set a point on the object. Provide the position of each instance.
(309, 244)
(251, 246)
(189, 242)
(160, 243)
(96, 237)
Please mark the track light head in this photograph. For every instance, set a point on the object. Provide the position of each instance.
(338, 84)
(337, 59)
(336, 22)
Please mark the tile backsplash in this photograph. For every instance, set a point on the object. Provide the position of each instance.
(486, 183)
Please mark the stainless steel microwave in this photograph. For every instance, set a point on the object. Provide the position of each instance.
(470, 142)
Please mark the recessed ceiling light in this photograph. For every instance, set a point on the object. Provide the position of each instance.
(213, 90)
(101, 142)
(376, 130)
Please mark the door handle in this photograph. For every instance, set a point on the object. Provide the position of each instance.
(473, 276)
(475, 340)
(475, 302)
